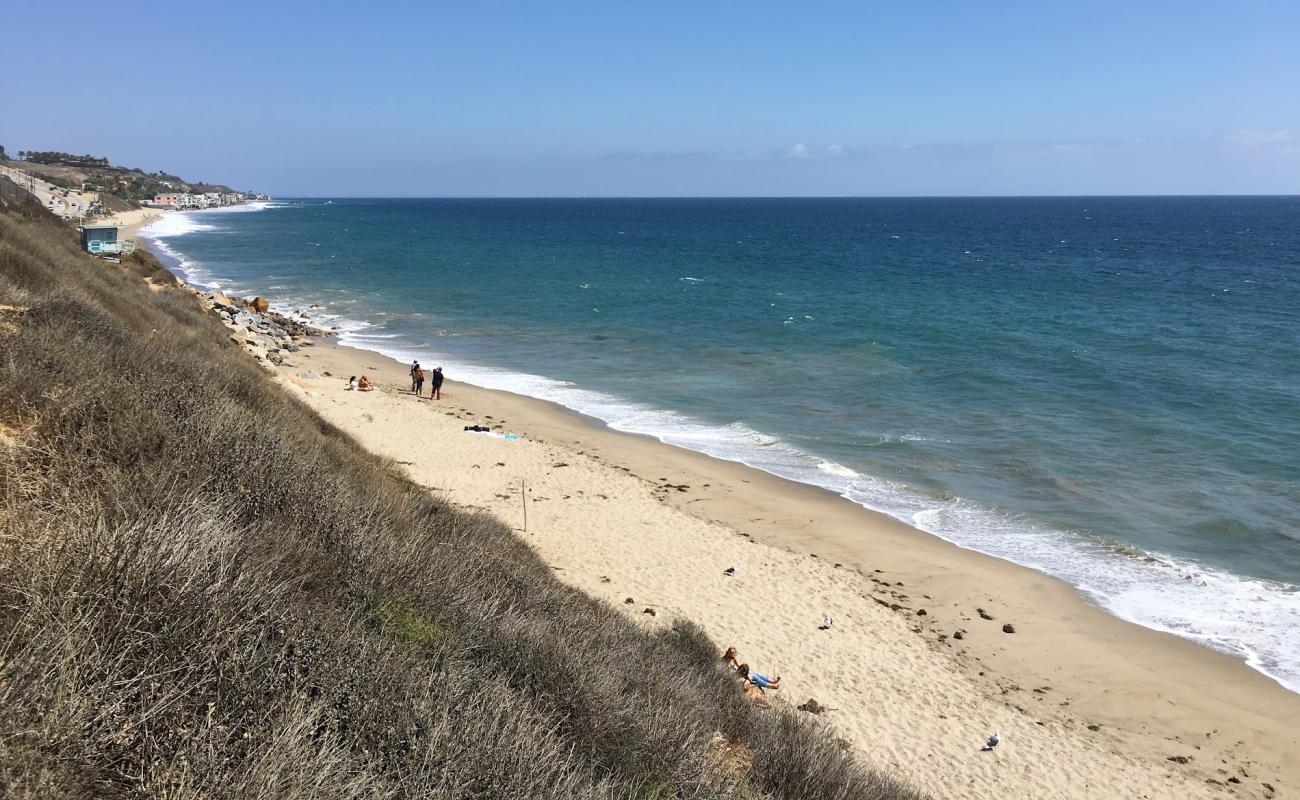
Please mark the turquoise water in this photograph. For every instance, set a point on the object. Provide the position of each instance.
(1106, 389)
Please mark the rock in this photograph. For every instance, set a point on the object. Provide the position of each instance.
(220, 299)
(649, 611)
(308, 374)
(958, 635)
(236, 339)
(813, 707)
(983, 614)
(921, 612)
(1008, 628)
(1179, 759)
(628, 601)
(261, 305)
(1094, 727)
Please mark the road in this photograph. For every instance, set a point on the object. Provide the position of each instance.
(66, 203)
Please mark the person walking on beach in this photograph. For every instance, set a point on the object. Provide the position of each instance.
(415, 367)
(435, 384)
(419, 381)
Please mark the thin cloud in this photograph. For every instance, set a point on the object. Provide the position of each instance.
(1253, 137)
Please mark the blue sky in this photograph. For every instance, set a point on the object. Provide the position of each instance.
(700, 98)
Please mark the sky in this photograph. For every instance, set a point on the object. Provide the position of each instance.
(928, 97)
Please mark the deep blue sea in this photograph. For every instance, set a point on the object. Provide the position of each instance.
(1105, 389)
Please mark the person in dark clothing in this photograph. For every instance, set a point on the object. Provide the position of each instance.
(415, 367)
(435, 384)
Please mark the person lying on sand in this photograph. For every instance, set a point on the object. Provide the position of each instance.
(365, 385)
(732, 662)
(757, 678)
(754, 693)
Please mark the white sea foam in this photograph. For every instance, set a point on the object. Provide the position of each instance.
(175, 223)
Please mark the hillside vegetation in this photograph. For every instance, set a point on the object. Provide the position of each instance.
(94, 173)
(207, 591)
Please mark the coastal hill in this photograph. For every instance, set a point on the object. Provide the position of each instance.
(207, 590)
(96, 173)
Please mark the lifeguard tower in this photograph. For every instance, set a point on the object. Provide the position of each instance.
(101, 240)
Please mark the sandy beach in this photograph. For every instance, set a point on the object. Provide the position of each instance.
(932, 647)
(131, 222)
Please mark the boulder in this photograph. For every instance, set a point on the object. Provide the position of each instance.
(1008, 628)
(220, 299)
(261, 305)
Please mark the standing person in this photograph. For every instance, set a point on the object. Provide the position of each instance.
(419, 381)
(435, 384)
(415, 367)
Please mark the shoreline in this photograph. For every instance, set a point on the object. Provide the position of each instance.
(1150, 587)
(1068, 664)
(1102, 670)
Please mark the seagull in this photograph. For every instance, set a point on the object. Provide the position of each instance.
(992, 742)
(826, 622)
(729, 571)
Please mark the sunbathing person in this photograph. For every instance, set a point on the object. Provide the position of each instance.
(365, 385)
(754, 693)
(732, 662)
(757, 678)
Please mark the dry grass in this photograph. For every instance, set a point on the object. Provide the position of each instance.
(207, 591)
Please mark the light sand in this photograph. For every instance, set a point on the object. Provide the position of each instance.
(1089, 705)
(132, 221)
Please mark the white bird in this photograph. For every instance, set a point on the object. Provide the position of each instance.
(992, 742)
(826, 622)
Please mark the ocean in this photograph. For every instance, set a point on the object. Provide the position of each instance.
(1104, 389)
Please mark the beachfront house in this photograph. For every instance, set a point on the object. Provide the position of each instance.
(102, 240)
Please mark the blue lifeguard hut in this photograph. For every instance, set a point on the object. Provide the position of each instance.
(102, 240)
